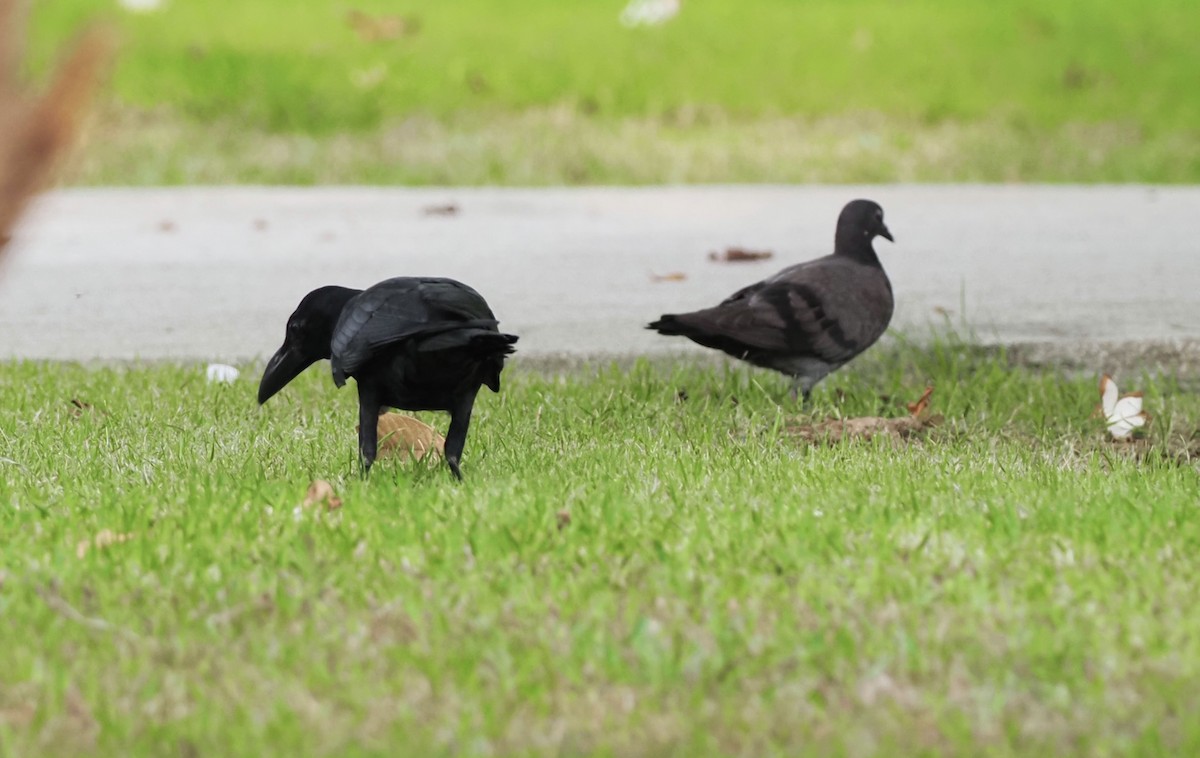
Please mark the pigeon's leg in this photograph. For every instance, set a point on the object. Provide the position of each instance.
(801, 388)
(368, 429)
(456, 437)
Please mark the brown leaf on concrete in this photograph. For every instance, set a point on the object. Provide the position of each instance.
(740, 255)
(446, 209)
(672, 276)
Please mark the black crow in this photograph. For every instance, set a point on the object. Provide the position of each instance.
(809, 319)
(414, 343)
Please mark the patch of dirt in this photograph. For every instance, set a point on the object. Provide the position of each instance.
(833, 431)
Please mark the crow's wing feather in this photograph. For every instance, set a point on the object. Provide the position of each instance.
(399, 309)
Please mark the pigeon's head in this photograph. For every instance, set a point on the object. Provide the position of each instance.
(861, 220)
(309, 332)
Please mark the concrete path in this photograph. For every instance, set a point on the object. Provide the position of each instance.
(213, 273)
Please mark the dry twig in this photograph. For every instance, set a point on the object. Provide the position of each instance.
(35, 132)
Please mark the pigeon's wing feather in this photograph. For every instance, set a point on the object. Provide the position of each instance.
(399, 309)
(827, 309)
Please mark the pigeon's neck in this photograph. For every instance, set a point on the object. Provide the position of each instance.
(856, 245)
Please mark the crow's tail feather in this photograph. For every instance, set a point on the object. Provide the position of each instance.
(669, 325)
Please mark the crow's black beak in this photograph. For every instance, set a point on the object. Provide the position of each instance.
(883, 232)
(283, 367)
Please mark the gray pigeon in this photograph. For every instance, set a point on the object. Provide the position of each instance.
(809, 319)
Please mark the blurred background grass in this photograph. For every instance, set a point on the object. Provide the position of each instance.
(542, 91)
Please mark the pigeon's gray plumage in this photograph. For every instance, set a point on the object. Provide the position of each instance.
(809, 319)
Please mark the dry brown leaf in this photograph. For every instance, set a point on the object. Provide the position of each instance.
(36, 132)
(19, 715)
(405, 437)
(382, 28)
(673, 276)
(321, 492)
(448, 209)
(79, 407)
(918, 408)
(740, 255)
(477, 83)
(103, 539)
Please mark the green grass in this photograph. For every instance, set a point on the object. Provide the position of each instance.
(1012, 583)
(1037, 77)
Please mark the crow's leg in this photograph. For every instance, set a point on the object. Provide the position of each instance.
(456, 438)
(368, 428)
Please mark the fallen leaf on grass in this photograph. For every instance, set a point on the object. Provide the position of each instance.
(19, 715)
(382, 28)
(740, 255)
(321, 492)
(477, 83)
(1122, 413)
(673, 276)
(447, 209)
(922, 404)
(405, 437)
(103, 539)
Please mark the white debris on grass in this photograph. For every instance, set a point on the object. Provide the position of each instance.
(649, 12)
(220, 372)
(141, 6)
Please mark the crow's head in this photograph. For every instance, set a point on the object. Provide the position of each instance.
(309, 332)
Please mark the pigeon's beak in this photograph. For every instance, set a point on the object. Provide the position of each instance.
(283, 367)
(883, 232)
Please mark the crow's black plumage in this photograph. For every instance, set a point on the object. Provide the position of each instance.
(809, 319)
(414, 343)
